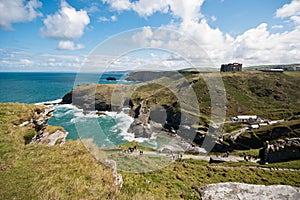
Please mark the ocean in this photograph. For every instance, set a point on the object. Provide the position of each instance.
(41, 87)
(106, 130)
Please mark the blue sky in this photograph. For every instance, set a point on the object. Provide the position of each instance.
(40, 35)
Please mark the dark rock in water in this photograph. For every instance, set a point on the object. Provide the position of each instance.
(140, 130)
(67, 98)
(111, 78)
(100, 113)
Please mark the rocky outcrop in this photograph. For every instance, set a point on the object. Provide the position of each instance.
(139, 129)
(280, 151)
(237, 191)
(42, 135)
(92, 97)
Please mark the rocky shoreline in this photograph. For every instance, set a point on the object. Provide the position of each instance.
(43, 133)
(147, 122)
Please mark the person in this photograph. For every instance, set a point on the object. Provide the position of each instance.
(141, 152)
(245, 157)
(227, 153)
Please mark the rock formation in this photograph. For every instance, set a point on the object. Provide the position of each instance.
(237, 191)
(280, 151)
(42, 135)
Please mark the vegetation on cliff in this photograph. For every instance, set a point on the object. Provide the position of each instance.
(69, 171)
(44, 172)
(269, 95)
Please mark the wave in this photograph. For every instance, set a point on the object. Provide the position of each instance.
(57, 101)
(115, 124)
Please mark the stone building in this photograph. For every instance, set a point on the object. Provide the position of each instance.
(231, 67)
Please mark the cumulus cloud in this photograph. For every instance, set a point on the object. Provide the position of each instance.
(69, 45)
(119, 5)
(66, 24)
(147, 8)
(14, 11)
(204, 45)
(290, 10)
(185, 10)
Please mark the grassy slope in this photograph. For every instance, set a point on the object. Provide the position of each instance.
(42, 172)
(181, 179)
(269, 95)
(70, 172)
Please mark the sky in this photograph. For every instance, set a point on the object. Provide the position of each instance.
(77, 35)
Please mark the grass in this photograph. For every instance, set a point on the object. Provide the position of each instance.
(125, 146)
(52, 129)
(42, 172)
(251, 152)
(232, 126)
(180, 180)
(293, 164)
(70, 172)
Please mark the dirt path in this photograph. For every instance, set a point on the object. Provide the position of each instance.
(175, 156)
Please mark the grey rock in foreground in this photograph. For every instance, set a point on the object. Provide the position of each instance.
(238, 191)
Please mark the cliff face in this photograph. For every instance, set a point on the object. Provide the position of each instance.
(280, 151)
(268, 95)
(90, 97)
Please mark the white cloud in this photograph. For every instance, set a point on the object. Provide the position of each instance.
(113, 18)
(289, 10)
(292, 11)
(277, 27)
(66, 24)
(147, 8)
(119, 5)
(25, 62)
(213, 18)
(255, 46)
(186, 10)
(29, 61)
(105, 19)
(14, 11)
(69, 45)
(93, 9)
(183, 9)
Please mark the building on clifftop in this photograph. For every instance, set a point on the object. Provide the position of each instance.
(231, 67)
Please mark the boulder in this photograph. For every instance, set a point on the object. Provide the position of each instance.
(140, 130)
(237, 191)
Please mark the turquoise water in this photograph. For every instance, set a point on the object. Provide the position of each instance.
(105, 130)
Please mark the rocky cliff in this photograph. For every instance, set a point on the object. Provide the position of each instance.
(271, 96)
(43, 133)
(281, 150)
